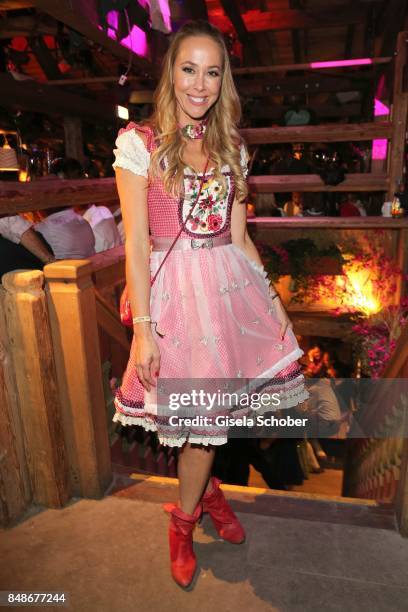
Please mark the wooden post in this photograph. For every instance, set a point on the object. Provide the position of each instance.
(401, 502)
(399, 116)
(74, 146)
(32, 357)
(402, 259)
(72, 308)
(15, 488)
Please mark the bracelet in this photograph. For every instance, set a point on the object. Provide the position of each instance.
(147, 319)
(143, 319)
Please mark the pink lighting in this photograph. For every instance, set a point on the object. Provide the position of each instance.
(165, 12)
(380, 145)
(380, 108)
(366, 61)
(136, 41)
(380, 149)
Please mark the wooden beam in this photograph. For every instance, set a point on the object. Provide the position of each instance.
(72, 311)
(296, 46)
(82, 16)
(109, 320)
(290, 67)
(198, 9)
(108, 268)
(348, 45)
(41, 415)
(74, 144)
(313, 182)
(234, 15)
(318, 323)
(231, 9)
(399, 115)
(274, 112)
(257, 21)
(25, 26)
(44, 57)
(394, 21)
(15, 488)
(36, 97)
(91, 80)
(13, 5)
(318, 133)
(312, 83)
(330, 223)
(42, 194)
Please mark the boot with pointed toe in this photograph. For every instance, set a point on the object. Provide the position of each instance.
(225, 520)
(183, 561)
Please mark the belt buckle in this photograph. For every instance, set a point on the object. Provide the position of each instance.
(198, 243)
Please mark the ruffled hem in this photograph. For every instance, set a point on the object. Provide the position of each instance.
(149, 425)
(298, 395)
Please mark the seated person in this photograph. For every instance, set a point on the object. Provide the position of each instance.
(294, 206)
(349, 207)
(68, 234)
(103, 226)
(265, 205)
(313, 205)
(117, 214)
(322, 409)
(21, 248)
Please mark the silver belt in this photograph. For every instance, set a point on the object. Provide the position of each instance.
(186, 244)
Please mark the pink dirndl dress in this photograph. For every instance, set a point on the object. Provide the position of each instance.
(212, 304)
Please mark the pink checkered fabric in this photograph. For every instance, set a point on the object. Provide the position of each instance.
(219, 321)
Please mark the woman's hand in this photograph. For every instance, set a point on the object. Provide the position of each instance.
(282, 317)
(147, 360)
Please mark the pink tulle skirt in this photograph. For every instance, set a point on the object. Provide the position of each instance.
(219, 322)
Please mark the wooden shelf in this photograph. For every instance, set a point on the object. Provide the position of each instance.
(330, 222)
(312, 182)
(50, 193)
(330, 132)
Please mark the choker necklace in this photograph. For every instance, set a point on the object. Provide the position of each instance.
(195, 131)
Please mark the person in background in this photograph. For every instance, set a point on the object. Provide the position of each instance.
(313, 205)
(117, 214)
(265, 205)
(360, 207)
(103, 226)
(349, 207)
(294, 206)
(68, 234)
(322, 408)
(20, 246)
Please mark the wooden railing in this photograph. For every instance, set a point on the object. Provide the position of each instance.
(377, 467)
(55, 327)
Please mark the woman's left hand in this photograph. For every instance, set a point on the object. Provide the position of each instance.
(282, 317)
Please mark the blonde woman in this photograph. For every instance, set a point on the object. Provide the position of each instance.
(215, 315)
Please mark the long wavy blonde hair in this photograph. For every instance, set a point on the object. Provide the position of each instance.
(221, 139)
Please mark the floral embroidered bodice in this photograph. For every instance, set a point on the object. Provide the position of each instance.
(212, 213)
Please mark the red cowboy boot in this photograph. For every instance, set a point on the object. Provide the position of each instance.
(182, 558)
(225, 521)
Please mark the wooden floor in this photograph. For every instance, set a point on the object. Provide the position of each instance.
(328, 482)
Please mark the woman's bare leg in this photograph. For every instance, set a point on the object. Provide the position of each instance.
(194, 468)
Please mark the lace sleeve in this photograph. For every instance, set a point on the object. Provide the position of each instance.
(131, 153)
(244, 160)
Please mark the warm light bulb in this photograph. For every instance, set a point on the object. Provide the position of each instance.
(122, 112)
